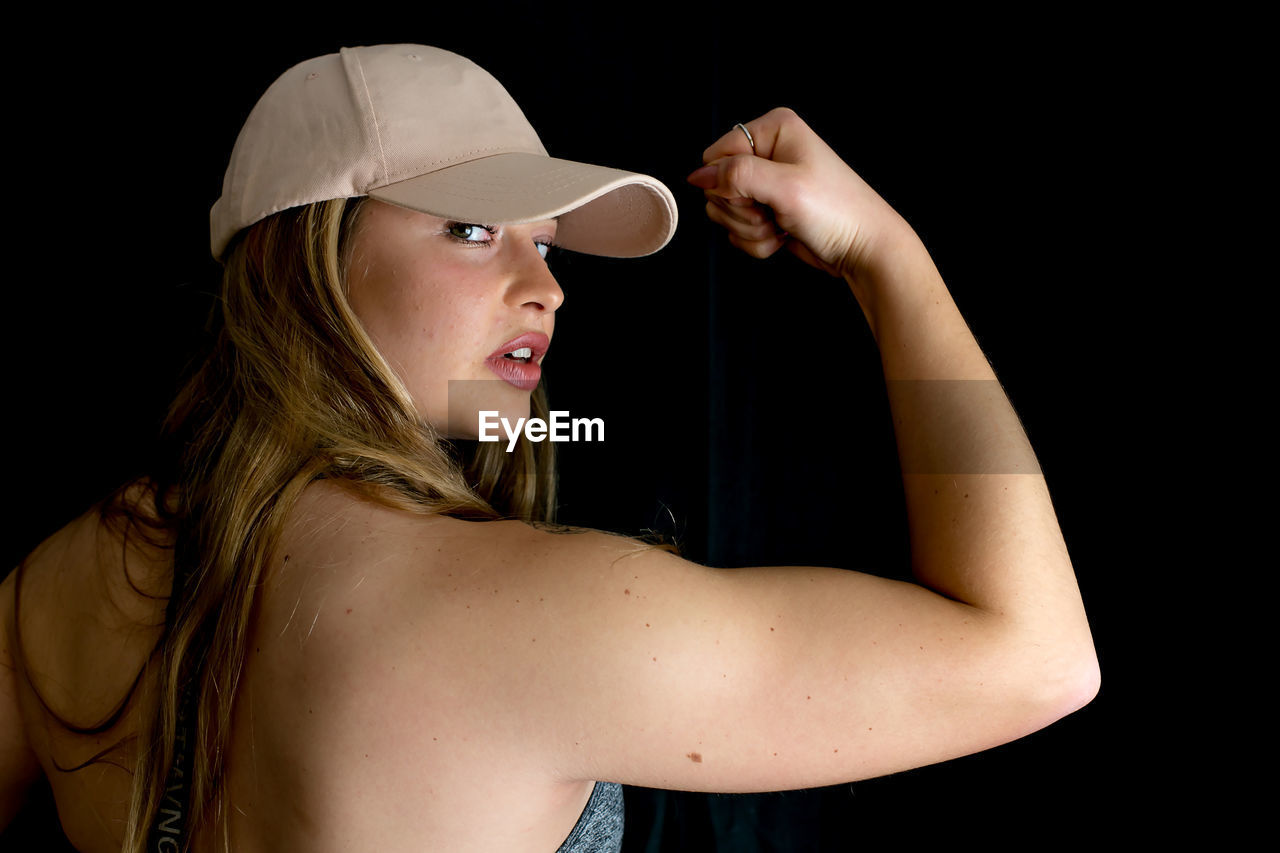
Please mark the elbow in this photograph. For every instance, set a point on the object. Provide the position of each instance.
(1066, 683)
(1082, 685)
(1089, 680)
(1042, 679)
(1057, 665)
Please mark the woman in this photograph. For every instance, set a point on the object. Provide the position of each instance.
(370, 644)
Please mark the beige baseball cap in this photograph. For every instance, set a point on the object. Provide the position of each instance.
(431, 131)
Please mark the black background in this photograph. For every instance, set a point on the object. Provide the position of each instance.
(1037, 157)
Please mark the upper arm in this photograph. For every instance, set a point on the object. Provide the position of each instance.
(19, 768)
(645, 668)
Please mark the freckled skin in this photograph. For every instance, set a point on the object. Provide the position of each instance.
(436, 306)
(695, 757)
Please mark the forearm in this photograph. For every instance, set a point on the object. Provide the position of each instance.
(983, 529)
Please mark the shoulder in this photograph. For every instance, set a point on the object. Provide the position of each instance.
(416, 655)
(92, 600)
(19, 768)
(78, 617)
(335, 536)
(531, 643)
(368, 574)
(457, 620)
(84, 610)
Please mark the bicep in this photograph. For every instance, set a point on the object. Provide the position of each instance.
(674, 675)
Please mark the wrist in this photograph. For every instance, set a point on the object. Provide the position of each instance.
(889, 267)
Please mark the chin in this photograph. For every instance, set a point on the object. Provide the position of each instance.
(495, 401)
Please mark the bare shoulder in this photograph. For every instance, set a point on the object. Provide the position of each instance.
(453, 620)
(81, 616)
(591, 656)
(92, 606)
(19, 768)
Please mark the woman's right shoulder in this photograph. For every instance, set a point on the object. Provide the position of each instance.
(336, 539)
(334, 520)
(429, 614)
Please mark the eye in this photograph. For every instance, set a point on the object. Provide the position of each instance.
(471, 233)
(544, 249)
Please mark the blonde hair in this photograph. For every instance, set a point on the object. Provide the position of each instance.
(294, 390)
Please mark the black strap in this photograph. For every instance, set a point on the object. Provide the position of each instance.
(170, 832)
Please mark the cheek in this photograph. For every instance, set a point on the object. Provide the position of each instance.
(406, 314)
(435, 330)
(449, 324)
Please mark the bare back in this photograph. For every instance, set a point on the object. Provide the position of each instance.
(326, 752)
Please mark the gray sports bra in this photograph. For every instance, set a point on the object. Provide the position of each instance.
(599, 829)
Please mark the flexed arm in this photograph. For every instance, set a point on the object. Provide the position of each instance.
(983, 529)
(601, 659)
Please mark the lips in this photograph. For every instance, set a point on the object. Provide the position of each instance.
(522, 373)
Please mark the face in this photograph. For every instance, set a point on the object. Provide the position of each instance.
(445, 301)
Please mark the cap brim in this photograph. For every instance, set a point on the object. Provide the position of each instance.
(601, 211)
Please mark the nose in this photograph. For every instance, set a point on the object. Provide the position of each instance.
(533, 284)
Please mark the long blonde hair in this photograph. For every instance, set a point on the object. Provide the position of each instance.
(293, 391)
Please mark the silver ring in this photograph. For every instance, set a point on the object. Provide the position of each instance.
(748, 133)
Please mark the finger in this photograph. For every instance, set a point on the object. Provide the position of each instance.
(746, 177)
(742, 210)
(758, 248)
(741, 230)
(732, 143)
(765, 130)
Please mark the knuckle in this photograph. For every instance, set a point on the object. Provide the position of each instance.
(737, 171)
(717, 206)
(783, 115)
(766, 248)
(789, 122)
(754, 248)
